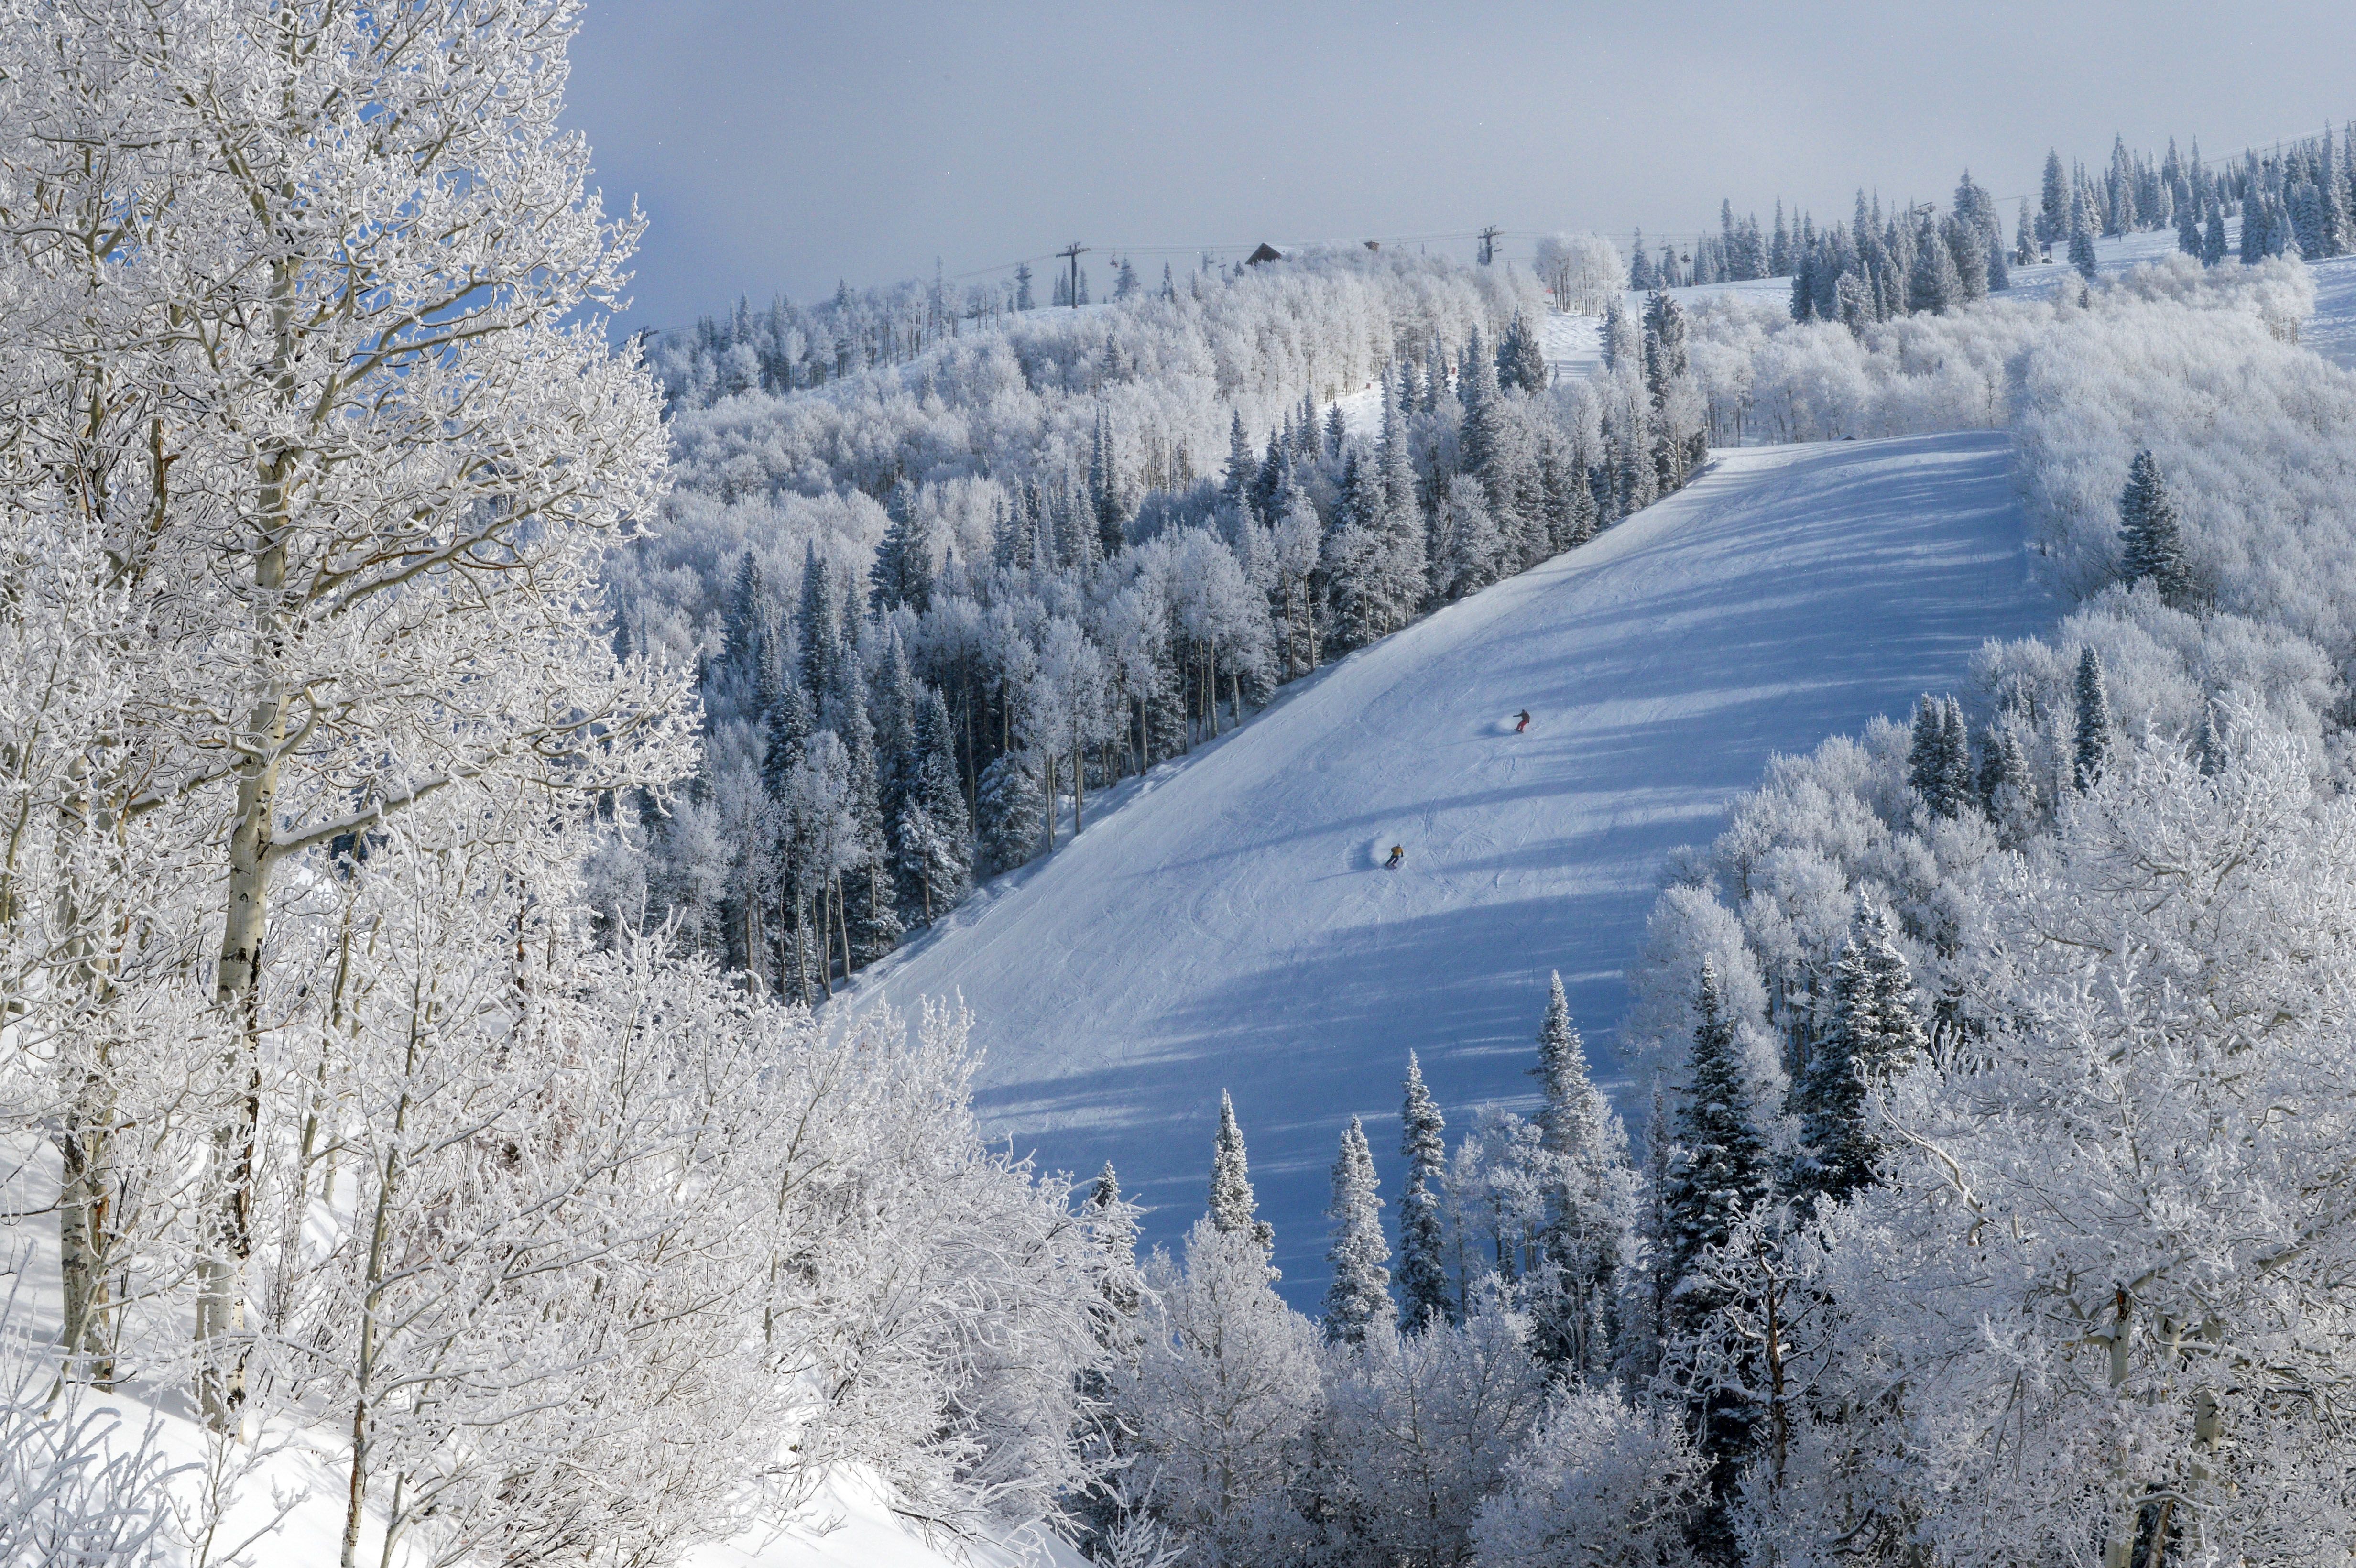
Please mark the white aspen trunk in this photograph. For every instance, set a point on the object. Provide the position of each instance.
(2118, 1548)
(372, 1302)
(82, 1251)
(220, 1301)
(801, 948)
(1079, 788)
(842, 926)
(1048, 768)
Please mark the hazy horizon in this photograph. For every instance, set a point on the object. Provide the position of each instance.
(779, 150)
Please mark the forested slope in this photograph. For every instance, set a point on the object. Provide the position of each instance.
(1234, 928)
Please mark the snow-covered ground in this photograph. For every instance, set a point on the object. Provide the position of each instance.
(290, 1502)
(1573, 345)
(2332, 333)
(1230, 926)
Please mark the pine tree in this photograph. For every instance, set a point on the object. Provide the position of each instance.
(1423, 1239)
(1234, 1210)
(2053, 217)
(1930, 757)
(1642, 276)
(2209, 744)
(1931, 283)
(818, 626)
(1007, 807)
(1719, 1172)
(1876, 1029)
(869, 900)
(1105, 488)
(2212, 240)
(744, 627)
(935, 840)
(902, 571)
(1242, 470)
(1023, 299)
(1996, 766)
(1585, 1221)
(1360, 1295)
(1110, 1222)
(2187, 230)
(1666, 360)
(1721, 1168)
(1973, 235)
(2151, 539)
(1521, 361)
(1483, 410)
(2094, 740)
(2082, 244)
(1955, 758)
(895, 715)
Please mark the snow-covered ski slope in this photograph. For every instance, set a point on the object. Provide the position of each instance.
(1230, 926)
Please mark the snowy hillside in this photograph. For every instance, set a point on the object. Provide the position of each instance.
(1232, 927)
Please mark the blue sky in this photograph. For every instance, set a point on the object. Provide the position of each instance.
(781, 146)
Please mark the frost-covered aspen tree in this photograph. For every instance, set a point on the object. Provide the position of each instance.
(1600, 1482)
(1224, 1392)
(554, 1157)
(323, 281)
(1420, 1428)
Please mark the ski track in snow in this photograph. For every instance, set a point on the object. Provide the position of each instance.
(2332, 332)
(1227, 923)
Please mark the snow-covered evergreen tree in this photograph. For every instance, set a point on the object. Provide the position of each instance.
(1721, 1167)
(2151, 539)
(1521, 361)
(1939, 757)
(903, 571)
(1875, 1029)
(1359, 1298)
(1588, 1195)
(1234, 1210)
(1423, 1232)
(2082, 244)
(1007, 811)
(1932, 284)
(935, 835)
(1720, 1174)
(2093, 742)
(2053, 214)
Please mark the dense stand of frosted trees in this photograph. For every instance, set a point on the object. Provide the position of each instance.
(336, 1114)
(1993, 1205)
(936, 607)
(2003, 1059)
(2297, 198)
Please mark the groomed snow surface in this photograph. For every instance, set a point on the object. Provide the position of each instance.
(1230, 925)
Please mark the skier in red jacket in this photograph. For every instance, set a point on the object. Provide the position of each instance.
(1525, 723)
